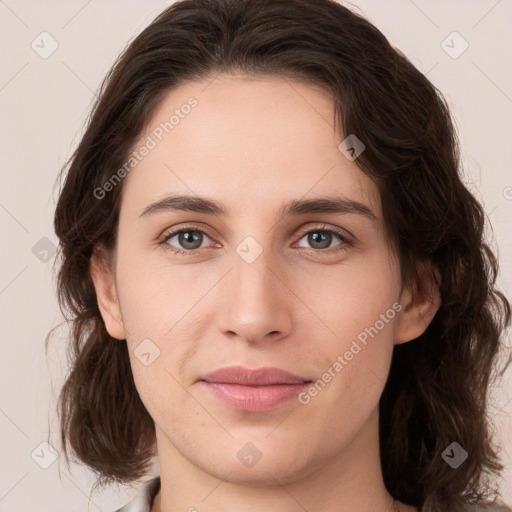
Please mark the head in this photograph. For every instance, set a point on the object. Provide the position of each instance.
(216, 101)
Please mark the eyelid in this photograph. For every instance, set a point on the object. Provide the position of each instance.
(191, 227)
(342, 233)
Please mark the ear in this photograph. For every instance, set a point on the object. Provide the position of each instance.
(101, 269)
(419, 305)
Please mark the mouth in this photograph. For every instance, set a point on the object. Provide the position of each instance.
(257, 390)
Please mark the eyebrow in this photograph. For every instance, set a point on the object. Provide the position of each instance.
(198, 204)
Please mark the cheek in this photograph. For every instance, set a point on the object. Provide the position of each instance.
(155, 296)
(354, 295)
(161, 307)
(355, 366)
(358, 304)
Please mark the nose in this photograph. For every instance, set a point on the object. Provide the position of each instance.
(258, 306)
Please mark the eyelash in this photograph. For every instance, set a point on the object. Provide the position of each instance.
(346, 242)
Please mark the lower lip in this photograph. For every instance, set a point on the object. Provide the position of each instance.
(254, 399)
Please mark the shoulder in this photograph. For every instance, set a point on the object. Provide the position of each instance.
(144, 498)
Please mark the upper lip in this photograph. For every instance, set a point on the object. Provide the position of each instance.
(257, 377)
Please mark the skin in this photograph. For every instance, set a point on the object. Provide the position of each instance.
(255, 144)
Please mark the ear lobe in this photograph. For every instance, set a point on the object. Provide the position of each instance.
(419, 306)
(106, 293)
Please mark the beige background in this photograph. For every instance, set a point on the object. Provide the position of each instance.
(44, 103)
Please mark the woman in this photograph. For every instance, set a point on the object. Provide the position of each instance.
(277, 280)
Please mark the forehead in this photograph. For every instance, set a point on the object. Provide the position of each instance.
(260, 141)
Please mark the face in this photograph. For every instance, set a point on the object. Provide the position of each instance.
(267, 278)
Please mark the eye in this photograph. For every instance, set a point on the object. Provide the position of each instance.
(188, 240)
(321, 239)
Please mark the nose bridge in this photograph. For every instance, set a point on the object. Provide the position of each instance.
(253, 278)
(257, 304)
(254, 256)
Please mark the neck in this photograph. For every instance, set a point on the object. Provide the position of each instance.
(348, 481)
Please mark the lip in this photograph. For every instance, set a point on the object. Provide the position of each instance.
(256, 390)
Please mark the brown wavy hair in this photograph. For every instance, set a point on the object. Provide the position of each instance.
(438, 387)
